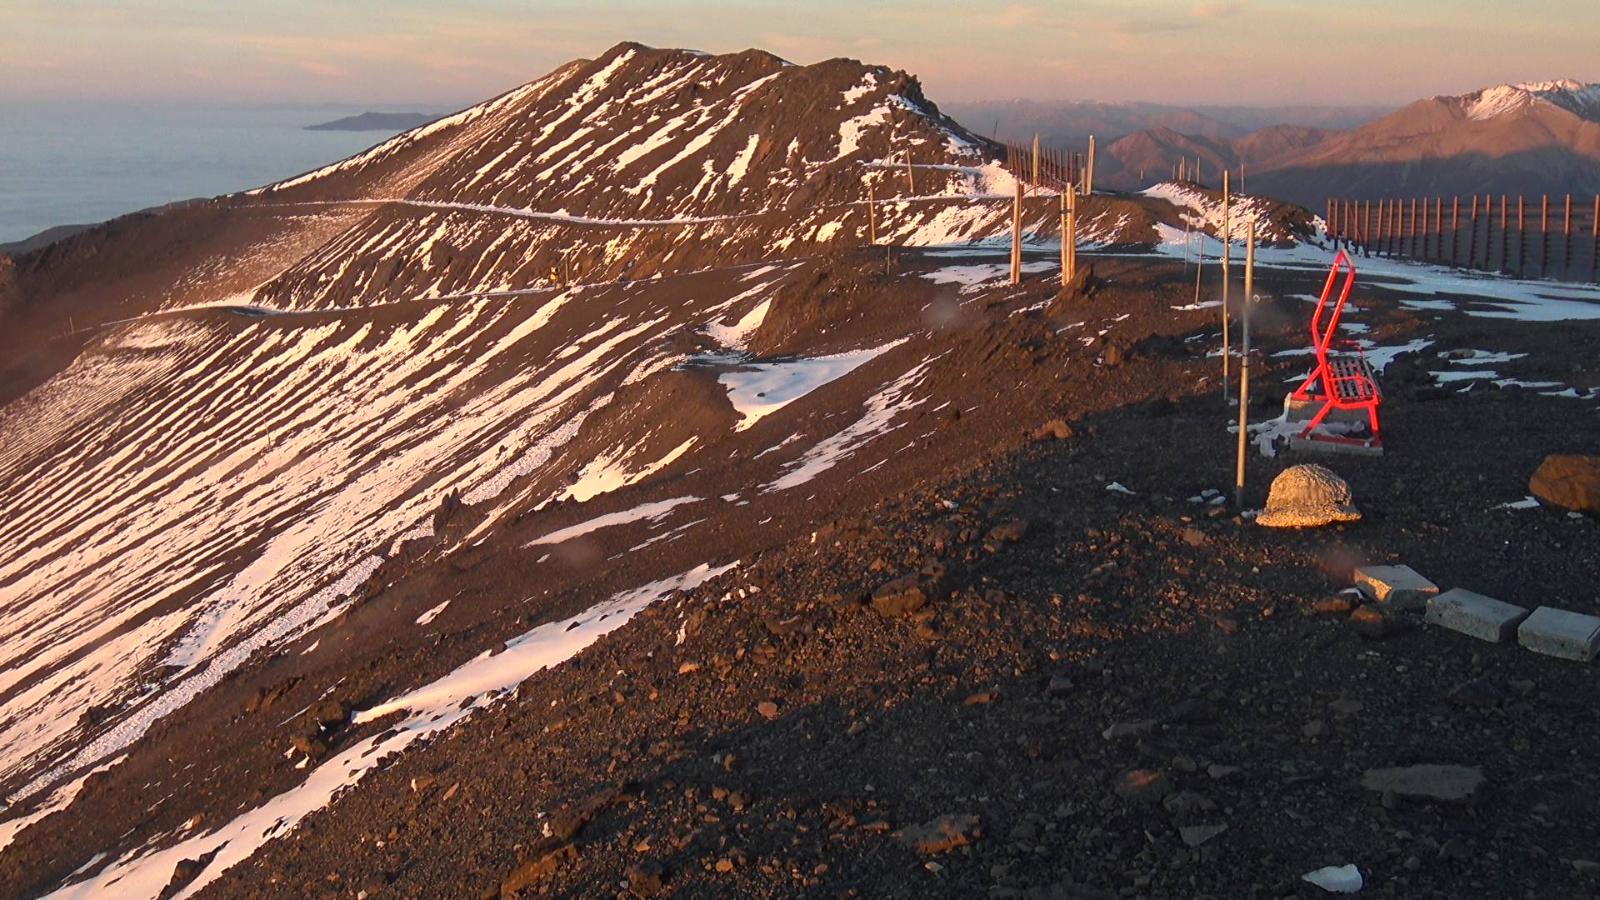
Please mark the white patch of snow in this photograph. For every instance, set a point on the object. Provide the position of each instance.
(758, 390)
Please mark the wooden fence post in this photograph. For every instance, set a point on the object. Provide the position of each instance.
(1594, 258)
(911, 179)
(1544, 236)
(1016, 236)
(1566, 242)
(1329, 222)
(1522, 237)
(1088, 183)
(1504, 234)
(1377, 233)
(1488, 232)
(1455, 231)
(1367, 228)
(1397, 215)
(1036, 159)
(1411, 242)
(1439, 225)
(1472, 242)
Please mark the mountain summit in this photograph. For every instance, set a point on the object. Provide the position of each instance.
(1576, 97)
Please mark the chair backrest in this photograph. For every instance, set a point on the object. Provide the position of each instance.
(1322, 334)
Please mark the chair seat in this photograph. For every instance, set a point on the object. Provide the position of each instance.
(1351, 379)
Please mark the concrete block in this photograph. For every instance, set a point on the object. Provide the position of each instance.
(1473, 614)
(1306, 410)
(1559, 632)
(1398, 587)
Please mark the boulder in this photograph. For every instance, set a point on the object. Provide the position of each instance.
(1307, 496)
(1568, 481)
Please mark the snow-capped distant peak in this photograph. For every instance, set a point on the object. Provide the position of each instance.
(1574, 96)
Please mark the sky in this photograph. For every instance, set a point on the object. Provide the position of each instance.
(432, 56)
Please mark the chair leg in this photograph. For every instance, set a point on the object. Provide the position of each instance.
(1317, 419)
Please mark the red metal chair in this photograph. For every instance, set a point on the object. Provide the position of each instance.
(1342, 378)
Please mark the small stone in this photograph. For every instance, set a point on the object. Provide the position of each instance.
(1344, 707)
(1055, 429)
(1227, 624)
(1185, 803)
(1008, 532)
(1376, 625)
(1194, 537)
(1438, 782)
(1398, 587)
(900, 597)
(1338, 604)
(1454, 849)
(940, 835)
(1143, 785)
(724, 865)
(981, 698)
(1195, 835)
(330, 714)
(647, 878)
(767, 709)
(1128, 729)
(537, 869)
(1336, 879)
(1058, 686)
(1219, 772)
(1314, 728)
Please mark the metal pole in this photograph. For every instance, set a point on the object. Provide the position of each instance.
(872, 216)
(1227, 245)
(1066, 269)
(1244, 367)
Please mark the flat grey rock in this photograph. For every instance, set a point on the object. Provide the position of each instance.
(1433, 781)
(1398, 587)
(1475, 615)
(1560, 632)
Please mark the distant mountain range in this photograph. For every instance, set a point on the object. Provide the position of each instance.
(1524, 138)
(1531, 138)
(376, 121)
(1071, 122)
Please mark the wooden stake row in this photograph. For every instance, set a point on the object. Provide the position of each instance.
(1409, 228)
(1043, 167)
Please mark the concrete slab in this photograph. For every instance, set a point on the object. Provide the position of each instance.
(1475, 615)
(1397, 587)
(1333, 448)
(1560, 632)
